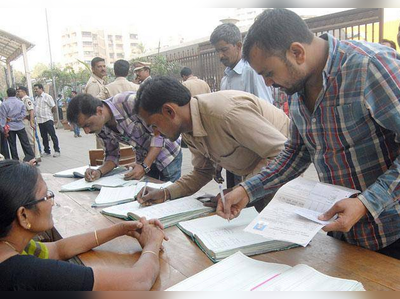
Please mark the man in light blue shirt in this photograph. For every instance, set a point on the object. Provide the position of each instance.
(13, 112)
(239, 75)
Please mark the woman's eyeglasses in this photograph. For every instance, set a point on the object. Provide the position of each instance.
(49, 197)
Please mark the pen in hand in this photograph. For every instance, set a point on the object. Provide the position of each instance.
(144, 189)
(222, 196)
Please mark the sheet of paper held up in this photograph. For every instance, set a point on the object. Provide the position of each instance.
(280, 220)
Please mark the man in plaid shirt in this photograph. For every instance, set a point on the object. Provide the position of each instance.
(114, 121)
(345, 119)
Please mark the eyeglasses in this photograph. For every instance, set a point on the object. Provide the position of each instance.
(49, 197)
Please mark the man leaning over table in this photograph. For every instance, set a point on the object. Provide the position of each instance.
(234, 129)
(114, 121)
(345, 119)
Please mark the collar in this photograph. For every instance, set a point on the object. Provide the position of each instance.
(192, 78)
(98, 78)
(238, 69)
(332, 54)
(117, 115)
(198, 128)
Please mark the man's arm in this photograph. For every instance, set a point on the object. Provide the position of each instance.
(288, 165)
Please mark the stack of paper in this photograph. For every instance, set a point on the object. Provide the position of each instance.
(219, 238)
(292, 215)
(241, 273)
(116, 180)
(114, 196)
(169, 213)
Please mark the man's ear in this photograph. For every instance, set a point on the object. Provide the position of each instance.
(168, 111)
(239, 45)
(99, 110)
(297, 53)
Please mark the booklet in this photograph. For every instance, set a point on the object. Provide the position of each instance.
(218, 238)
(116, 180)
(113, 196)
(291, 215)
(79, 172)
(169, 213)
(241, 273)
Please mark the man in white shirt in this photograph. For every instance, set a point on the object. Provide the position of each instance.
(45, 107)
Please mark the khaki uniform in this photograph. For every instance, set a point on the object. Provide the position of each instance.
(96, 87)
(120, 84)
(234, 129)
(29, 130)
(196, 86)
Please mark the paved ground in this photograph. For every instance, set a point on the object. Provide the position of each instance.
(75, 153)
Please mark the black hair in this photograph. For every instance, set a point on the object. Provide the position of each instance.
(186, 72)
(23, 88)
(121, 68)
(154, 93)
(18, 186)
(96, 60)
(274, 30)
(82, 103)
(38, 85)
(228, 32)
(11, 92)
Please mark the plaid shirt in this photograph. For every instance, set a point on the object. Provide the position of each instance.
(352, 137)
(133, 130)
(44, 104)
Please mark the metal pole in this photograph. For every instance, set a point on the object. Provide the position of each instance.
(27, 71)
(9, 81)
(59, 125)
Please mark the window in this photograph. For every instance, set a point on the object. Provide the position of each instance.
(112, 55)
(133, 36)
(120, 55)
(86, 34)
(87, 43)
(134, 44)
(118, 37)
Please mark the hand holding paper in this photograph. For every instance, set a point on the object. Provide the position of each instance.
(349, 211)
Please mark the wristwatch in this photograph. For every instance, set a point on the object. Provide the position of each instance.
(145, 167)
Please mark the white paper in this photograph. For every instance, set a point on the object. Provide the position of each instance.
(241, 273)
(116, 180)
(313, 216)
(172, 207)
(280, 221)
(122, 210)
(235, 273)
(69, 173)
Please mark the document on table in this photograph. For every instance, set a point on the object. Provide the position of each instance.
(281, 219)
(241, 273)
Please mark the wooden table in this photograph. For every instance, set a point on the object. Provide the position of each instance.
(181, 258)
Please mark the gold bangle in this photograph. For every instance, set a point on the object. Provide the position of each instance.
(97, 239)
(152, 252)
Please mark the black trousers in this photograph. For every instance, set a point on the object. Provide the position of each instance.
(23, 139)
(48, 128)
(4, 146)
(393, 250)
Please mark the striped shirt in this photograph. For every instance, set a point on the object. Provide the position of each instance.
(133, 130)
(352, 137)
(44, 104)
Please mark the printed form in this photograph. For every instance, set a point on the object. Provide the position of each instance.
(287, 217)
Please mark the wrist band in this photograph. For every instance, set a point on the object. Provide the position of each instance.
(101, 173)
(97, 240)
(152, 252)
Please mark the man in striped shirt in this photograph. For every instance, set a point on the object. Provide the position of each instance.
(114, 121)
(345, 119)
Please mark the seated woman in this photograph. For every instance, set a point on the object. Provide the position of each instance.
(25, 211)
